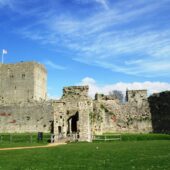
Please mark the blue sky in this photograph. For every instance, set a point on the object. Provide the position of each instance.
(106, 44)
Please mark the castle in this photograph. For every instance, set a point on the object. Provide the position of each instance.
(24, 107)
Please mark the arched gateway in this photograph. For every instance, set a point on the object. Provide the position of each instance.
(71, 115)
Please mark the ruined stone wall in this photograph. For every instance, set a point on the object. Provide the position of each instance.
(22, 82)
(75, 92)
(104, 114)
(75, 101)
(100, 97)
(26, 117)
(136, 97)
(23, 106)
(114, 116)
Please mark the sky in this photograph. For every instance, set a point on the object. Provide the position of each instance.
(106, 44)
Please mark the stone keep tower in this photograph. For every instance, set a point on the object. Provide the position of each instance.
(22, 82)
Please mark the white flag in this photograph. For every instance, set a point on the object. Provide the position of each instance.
(4, 51)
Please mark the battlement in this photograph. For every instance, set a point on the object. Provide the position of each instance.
(22, 82)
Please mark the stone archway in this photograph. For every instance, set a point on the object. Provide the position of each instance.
(72, 124)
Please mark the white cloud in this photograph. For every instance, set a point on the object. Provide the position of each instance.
(101, 38)
(152, 87)
(52, 97)
(54, 65)
(88, 80)
(96, 45)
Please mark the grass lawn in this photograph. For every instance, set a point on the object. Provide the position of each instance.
(11, 145)
(118, 155)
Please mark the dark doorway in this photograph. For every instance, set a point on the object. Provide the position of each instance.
(72, 123)
(52, 126)
(59, 129)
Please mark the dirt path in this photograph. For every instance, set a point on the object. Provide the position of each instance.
(31, 147)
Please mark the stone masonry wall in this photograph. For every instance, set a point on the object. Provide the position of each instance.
(75, 101)
(26, 117)
(136, 96)
(112, 116)
(23, 107)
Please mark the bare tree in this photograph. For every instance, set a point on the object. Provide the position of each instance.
(117, 95)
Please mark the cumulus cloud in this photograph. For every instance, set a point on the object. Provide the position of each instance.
(152, 87)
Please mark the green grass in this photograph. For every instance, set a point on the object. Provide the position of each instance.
(117, 155)
(12, 145)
